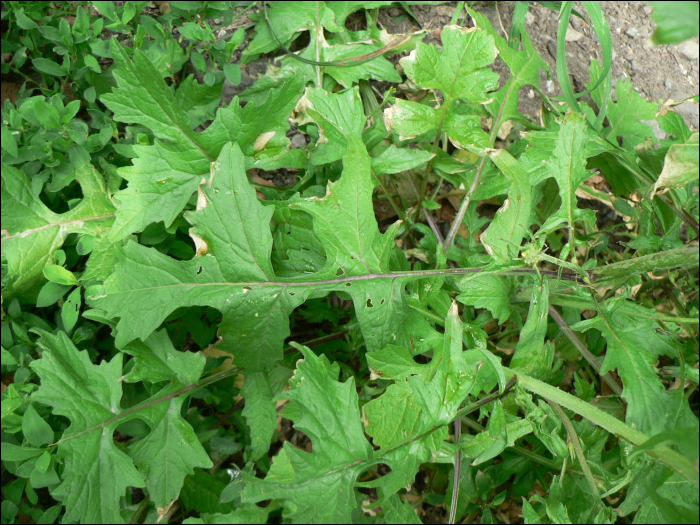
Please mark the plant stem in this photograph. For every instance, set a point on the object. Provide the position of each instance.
(573, 436)
(587, 355)
(463, 207)
(398, 211)
(672, 459)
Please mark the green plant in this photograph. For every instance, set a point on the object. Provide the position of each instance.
(138, 261)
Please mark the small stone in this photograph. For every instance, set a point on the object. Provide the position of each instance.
(572, 35)
(394, 12)
(629, 57)
(612, 20)
(648, 9)
(529, 18)
(689, 49)
(637, 65)
(632, 32)
(576, 23)
(298, 141)
(643, 32)
(668, 84)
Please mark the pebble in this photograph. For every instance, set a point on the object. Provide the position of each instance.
(394, 12)
(668, 84)
(572, 35)
(632, 32)
(529, 18)
(629, 57)
(648, 9)
(576, 23)
(689, 49)
(298, 141)
(643, 32)
(637, 65)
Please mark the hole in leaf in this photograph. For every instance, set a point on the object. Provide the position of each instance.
(200, 270)
(382, 301)
(369, 303)
(292, 294)
(348, 284)
(340, 272)
(246, 289)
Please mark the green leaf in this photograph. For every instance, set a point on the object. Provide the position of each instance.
(376, 69)
(71, 309)
(234, 273)
(201, 492)
(49, 67)
(37, 431)
(88, 395)
(233, 73)
(169, 453)
(32, 233)
(568, 167)
(635, 342)
(12, 452)
(9, 511)
(260, 412)
(165, 175)
(156, 360)
(59, 275)
(43, 463)
(532, 356)
(9, 144)
(198, 61)
(47, 114)
(91, 62)
(676, 22)
(8, 359)
(680, 165)
(493, 441)
(406, 412)
(510, 225)
(318, 484)
(488, 291)
(625, 114)
(396, 160)
(398, 510)
(287, 19)
(545, 424)
(24, 21)
(443, 384)
(524, 65)
(459, 72)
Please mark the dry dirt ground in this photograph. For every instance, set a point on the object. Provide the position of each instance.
(657, 73)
